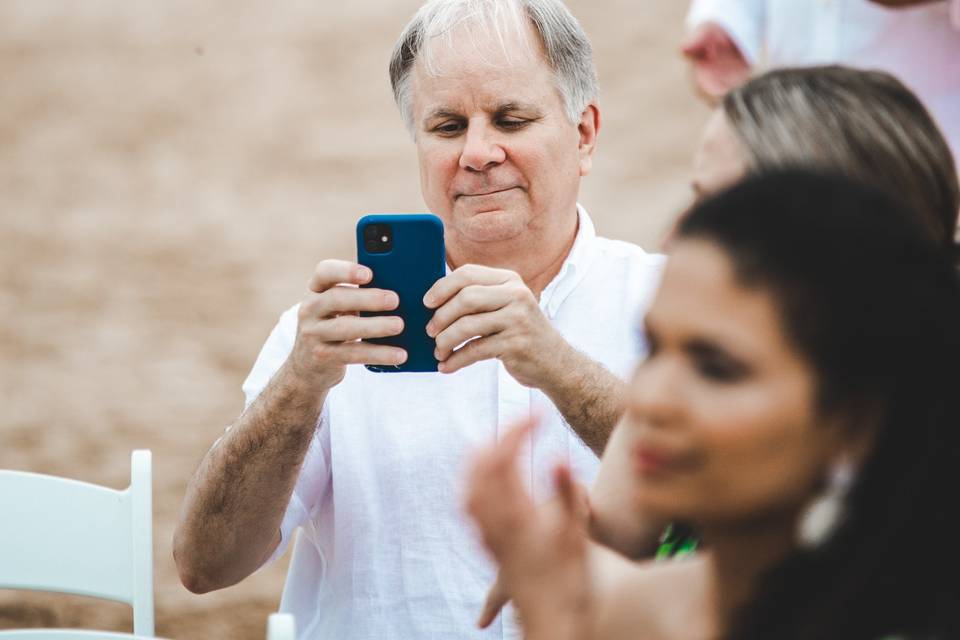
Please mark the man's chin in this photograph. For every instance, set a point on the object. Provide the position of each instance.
(489, 224)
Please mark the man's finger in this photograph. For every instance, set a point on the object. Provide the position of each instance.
(476, 326)
(346, 299)
(367, 353)
(348, 328)
(329, 273)
(476, 350)
(471, 299)
(448, 286)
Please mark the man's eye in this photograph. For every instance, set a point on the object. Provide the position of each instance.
(448, 128)
(512, 123)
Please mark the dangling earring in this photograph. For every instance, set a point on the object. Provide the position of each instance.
(824, 513)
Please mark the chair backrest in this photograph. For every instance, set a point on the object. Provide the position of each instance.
(74, 537)
(281, 626)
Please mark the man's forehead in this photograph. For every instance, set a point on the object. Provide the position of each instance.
(496, 92)
(487, 72)
(478, 48)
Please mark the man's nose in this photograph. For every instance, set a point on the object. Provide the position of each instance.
(481, 148)
(656, 392)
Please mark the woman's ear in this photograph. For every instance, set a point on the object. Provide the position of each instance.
(854, 430)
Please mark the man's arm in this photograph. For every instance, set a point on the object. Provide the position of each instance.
(497, 316)
(590, 398)
(230, 518)
(231, 514)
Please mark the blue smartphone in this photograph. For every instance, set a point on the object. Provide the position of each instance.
(406, 254)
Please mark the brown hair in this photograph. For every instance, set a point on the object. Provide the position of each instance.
(863, 124)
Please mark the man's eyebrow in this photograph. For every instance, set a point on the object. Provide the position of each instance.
(507, 107)
(442, 112)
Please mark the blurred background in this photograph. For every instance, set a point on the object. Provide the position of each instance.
(171, 171)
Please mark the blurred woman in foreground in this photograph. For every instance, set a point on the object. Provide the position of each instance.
(798, 407)
(862, 124)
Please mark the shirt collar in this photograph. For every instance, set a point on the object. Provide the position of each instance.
(574, 266)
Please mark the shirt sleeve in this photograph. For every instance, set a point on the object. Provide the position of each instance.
(272, 355)
(743, 20)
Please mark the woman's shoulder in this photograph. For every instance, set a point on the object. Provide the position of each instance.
(653, 599)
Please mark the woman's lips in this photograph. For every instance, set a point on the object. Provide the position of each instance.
(651, 461)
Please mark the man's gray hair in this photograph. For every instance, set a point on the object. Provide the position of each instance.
(566, 47)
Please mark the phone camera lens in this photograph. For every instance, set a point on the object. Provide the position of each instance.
(378, 238)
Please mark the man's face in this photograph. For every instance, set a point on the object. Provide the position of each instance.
(498, 156)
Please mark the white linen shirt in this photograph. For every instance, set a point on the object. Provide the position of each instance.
(919, 45)
(385, 550)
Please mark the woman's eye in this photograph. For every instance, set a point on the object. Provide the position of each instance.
(716, 364)
(719, 368)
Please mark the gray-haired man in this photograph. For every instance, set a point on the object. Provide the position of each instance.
(500, 97)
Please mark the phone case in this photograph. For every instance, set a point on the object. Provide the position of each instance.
(415, 261)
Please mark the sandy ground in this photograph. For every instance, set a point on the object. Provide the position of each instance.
(169, 174)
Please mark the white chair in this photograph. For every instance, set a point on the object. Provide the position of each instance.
(281, 626)
(73, 537)
(69, 634)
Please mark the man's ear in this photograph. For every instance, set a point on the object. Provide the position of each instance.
(588, 129)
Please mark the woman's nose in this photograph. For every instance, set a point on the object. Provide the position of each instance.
(656, 392)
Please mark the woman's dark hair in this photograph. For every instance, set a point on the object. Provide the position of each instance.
(862, 124)
(873, 304)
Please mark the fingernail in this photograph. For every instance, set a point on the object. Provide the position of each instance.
(442, 367)
(436, 354)
(364, 274)
(430, 329)
(390, 299)
(428, 300)
(401, 357)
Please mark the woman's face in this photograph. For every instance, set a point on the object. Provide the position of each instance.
(721, 423)
(720, 160)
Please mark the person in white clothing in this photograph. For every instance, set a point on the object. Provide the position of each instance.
(918, 41)
(536, 315)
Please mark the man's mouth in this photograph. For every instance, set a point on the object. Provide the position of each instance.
(485, 192)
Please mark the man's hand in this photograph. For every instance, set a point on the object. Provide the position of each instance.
(330, 327)
(718, 64)
(542, 556)
(498, 314)
(484, 313)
